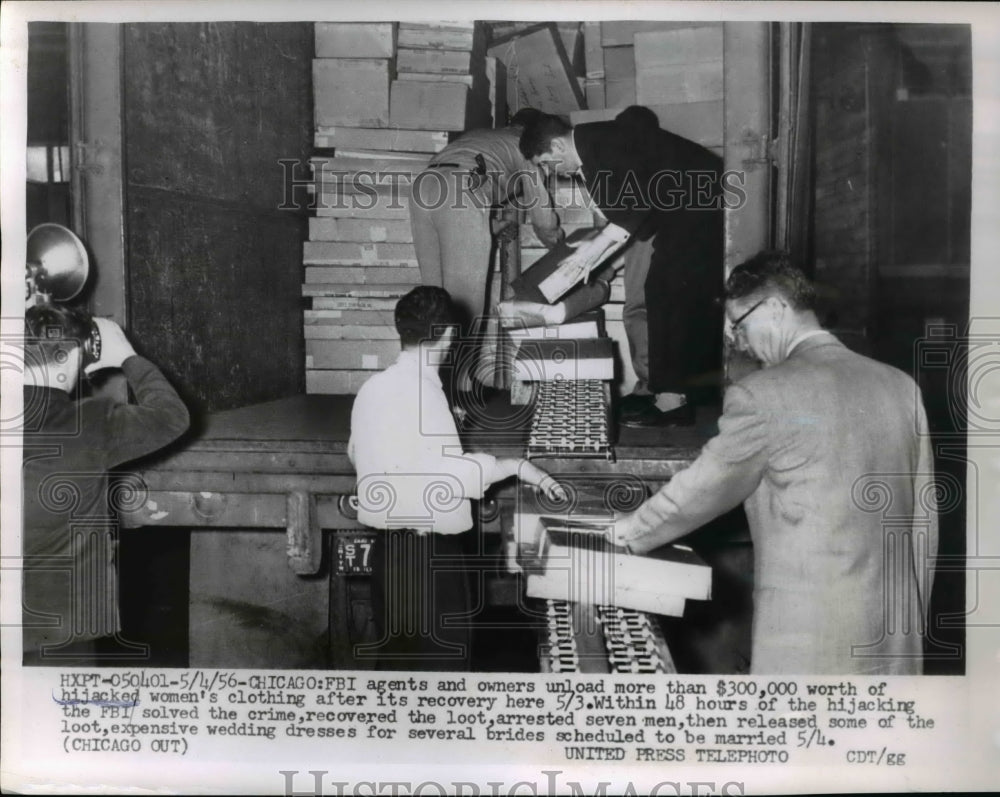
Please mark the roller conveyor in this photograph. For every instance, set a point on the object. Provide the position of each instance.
(571, 418)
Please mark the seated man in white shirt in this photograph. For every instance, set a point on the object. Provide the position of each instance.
(416, 483)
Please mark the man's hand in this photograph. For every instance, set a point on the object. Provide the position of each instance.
(530, 473)
(115, 347)
(550, 237)
(587, 255)
(622, 532)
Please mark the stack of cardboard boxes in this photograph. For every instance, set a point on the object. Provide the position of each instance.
(674, 68)
(387, 95)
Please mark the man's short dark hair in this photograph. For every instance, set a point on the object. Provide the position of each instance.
(525, 116)
(51, 332)
(539, 132)
(424, 314)
(771, 273)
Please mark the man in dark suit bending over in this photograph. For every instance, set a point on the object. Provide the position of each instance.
(661, 196)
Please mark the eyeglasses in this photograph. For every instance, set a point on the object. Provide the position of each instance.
(735, 325)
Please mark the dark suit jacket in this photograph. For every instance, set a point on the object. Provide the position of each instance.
(829, 453)
(654, 183)
(69, 447)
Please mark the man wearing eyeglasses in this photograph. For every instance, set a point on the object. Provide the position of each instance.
(829, 453)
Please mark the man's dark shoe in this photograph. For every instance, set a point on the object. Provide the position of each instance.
(653, 418)
(635, 404)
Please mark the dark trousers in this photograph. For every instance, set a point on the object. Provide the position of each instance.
(421, 601)
(684, 291)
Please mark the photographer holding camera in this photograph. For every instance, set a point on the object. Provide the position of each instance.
(70, 444)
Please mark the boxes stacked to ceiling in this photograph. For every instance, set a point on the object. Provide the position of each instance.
(673, 68)
(387, 96)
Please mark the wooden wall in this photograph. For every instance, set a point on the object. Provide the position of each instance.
(892, 165)
(214, 267)
(844, 181)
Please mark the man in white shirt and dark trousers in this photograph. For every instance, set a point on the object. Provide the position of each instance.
(416, 483)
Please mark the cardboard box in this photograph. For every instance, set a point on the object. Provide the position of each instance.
(529, 238)
(428, 106)
(551, 360)
(351, 354)
(538, 71)
(361, 230)
(340, 331)
(355, 304)
(344, 318)
(342, 382)
(420, 158)
(355, 39)
(324, 294)
(593, 52)
(622, 32)
(455, 62)
(679, 65)
(433, 77)
(385, 139)
(395, 276)
(375, 170)
(336, 253)
(619, 63)
(436, 36)
(619, 94)
(363, 190)
(379, 207)
(351, 91)
(593, 90)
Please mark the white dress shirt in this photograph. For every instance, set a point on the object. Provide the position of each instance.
(411, 469)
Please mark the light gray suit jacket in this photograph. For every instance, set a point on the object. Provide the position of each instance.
(830, 453)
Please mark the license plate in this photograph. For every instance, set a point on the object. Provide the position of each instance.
(354, 554)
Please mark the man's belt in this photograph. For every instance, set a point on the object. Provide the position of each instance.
(477, 174)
